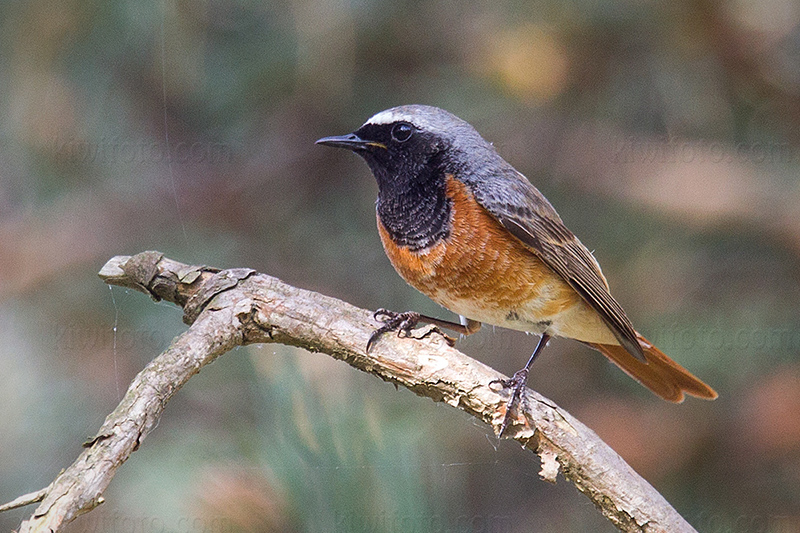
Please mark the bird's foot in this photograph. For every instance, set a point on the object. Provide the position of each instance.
(402, 323)
(516, 384)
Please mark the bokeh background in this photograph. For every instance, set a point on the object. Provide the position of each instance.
(666, 134)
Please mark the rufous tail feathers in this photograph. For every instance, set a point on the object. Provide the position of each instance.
(662, 375)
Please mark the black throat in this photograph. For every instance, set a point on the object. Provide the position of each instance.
(415, 210)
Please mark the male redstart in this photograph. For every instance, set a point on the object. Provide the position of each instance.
(462, 226)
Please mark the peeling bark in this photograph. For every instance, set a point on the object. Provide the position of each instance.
(237, 307)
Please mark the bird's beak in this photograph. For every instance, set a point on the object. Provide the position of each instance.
(351, 141)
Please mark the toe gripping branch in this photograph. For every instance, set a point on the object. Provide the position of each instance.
(403, 323)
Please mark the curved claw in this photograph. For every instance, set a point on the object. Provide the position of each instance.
(383, 312)
(392, 321)
(374, 337)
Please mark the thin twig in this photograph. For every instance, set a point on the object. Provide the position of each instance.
(25, 499)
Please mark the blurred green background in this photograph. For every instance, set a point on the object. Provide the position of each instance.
(666, 134)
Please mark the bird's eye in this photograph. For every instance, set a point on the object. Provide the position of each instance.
(402, 131)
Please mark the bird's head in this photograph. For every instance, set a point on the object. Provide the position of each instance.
(406, 143)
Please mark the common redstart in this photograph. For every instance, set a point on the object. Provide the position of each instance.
(462, 226)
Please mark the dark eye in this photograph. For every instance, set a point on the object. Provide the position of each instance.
(402, 131)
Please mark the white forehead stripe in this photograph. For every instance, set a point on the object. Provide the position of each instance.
(389, 116)
(431, 119)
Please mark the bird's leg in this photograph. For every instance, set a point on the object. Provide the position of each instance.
(403, 323)
(518, 382)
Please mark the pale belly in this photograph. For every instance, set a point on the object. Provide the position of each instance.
(578, 321)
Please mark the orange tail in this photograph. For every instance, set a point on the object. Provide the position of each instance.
(662, 375)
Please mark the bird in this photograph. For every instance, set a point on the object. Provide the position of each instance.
(465, 228)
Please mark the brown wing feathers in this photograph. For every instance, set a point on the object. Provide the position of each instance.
(552, 242)
(545, 235)
(648, 365)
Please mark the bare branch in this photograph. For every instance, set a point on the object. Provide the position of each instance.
(25, 499)
(236, 307)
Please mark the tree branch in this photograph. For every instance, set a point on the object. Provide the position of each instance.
(237, 307)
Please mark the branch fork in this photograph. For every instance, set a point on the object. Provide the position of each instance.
(234, 307)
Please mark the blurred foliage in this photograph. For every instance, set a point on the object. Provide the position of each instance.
(666, 134)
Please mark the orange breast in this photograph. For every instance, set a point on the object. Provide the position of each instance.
(484, 273)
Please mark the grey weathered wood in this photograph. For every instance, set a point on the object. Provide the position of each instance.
(236, 307)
